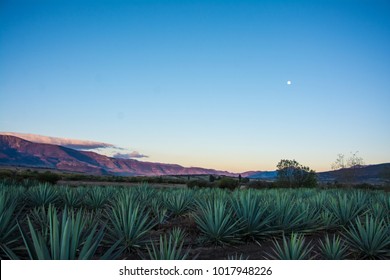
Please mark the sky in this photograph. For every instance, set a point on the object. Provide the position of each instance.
(202, 83)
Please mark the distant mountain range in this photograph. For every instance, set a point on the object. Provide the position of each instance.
(15, 151)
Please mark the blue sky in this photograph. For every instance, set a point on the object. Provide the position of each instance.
(202, 83)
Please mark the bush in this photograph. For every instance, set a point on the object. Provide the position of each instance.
(48, 177)
(227, 183)
(261, 185)
(198, 183)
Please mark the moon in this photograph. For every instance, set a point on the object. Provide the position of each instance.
(289, 82)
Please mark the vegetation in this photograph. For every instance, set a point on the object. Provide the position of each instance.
(348, 167)
(293, 248)
(294, 175)
(44, 221)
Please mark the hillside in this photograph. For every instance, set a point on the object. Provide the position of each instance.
(15, 151)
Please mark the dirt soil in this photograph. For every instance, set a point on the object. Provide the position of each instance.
(251, 250)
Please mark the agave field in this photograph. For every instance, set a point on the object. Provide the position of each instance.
(103, 222)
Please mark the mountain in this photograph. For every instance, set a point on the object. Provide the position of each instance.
(16, 151)
(371, 174)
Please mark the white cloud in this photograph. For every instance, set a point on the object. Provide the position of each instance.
(66, 142)
(93, 146)
(134, 154)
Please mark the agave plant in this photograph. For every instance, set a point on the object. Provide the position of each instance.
(72, 198)
(178, 234)
(360, 198)
(345, 209)
(293, 248)
(178, 202)
(327, 219)
(254, 214)
(8, 227)
(169, 248)
(66, 239)
(42, 195)
(216, 221)
(129, 223)
(333, 249)
(378, 211)
(288, 215)
(384, 200)
(369, 239)
(144, 192)
(97, 198)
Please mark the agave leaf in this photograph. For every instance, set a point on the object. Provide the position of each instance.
(333, 249)
(216, 221)
(293, 248)
(369, 239)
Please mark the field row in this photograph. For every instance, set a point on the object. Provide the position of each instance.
(57, 222)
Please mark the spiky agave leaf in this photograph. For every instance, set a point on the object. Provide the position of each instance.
(72, 197)
(216, 220)
(169, 248)
(178, 202)
(254, 214)
(67, 238)
(293, 248)
(370, 238)
(98, 197)
(237, 256)
(42, 195)
(129, 222)
(178, 234)
(288, 215)
(344, 208)
(8, 226)
(333, 249)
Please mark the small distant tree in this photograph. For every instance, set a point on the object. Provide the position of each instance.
(239, 177)
(294, 175)
(48, 177)
(211, 178)
(227, 183)
(348, 166)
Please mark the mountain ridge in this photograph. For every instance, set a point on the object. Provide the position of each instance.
(17, 151)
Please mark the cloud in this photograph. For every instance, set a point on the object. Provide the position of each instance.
(65, 142)
(106, 149)
(134, 154)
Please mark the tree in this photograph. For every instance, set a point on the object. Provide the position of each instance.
(348, 167)
(294, 175)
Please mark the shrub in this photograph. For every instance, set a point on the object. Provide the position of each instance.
(257, 184)
(48, 177)
(227, 183)
(198, 183)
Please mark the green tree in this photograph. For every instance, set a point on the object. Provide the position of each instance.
(294, 175)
